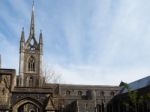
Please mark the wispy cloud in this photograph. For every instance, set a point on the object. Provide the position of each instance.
(92, 42)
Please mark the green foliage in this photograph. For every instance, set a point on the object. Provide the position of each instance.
(134, 98)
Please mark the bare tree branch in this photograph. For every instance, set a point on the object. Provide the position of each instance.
(51, 75)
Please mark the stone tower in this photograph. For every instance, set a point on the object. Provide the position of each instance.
(31, 52)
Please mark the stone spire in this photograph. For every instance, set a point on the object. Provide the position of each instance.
(41, 42)
(32, 29)
(22, 40)
(22, 36)
(41, 37)
(32, 25)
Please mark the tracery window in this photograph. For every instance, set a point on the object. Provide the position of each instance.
(31, 64)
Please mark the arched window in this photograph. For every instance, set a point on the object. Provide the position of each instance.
(32, 110)
(31, 64)
(80, 93)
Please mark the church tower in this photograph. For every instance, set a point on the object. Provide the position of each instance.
(31, 53)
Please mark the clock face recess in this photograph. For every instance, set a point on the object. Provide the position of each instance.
(32, 46)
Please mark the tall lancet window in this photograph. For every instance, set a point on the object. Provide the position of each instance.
(31, 64)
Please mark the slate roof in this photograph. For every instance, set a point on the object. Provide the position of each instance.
(141, 83)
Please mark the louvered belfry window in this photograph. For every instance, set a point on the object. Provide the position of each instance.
(31, 64)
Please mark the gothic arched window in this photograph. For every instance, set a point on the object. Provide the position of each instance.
(31, 64)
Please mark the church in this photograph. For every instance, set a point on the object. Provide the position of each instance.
(28, 91)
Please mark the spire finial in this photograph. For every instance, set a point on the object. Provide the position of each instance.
(41, 37)
(33, 5)
(22, 35)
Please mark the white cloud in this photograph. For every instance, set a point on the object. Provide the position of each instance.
(94, 75)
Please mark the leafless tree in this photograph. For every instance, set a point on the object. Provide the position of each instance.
(51, 75)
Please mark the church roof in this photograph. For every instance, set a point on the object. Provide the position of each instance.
(141, 83)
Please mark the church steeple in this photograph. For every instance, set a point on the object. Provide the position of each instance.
(31, 57)
(32, 37)
(32, 25)
(22, 36)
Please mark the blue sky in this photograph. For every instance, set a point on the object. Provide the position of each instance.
(88, 41)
